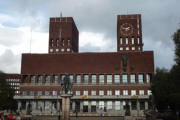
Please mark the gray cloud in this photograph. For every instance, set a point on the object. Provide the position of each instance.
(10, 62)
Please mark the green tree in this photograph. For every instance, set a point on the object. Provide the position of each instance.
(166, 84)
(160, 88)
(175, 74)
(6, 94)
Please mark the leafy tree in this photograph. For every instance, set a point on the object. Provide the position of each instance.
(166, 84)
(6, 94)
(160, 88)
(175, 74)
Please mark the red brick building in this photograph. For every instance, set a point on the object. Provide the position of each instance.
(14, 81)
(103, 82)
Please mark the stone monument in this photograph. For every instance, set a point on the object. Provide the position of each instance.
(66, 94)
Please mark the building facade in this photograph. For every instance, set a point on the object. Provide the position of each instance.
(109, 82)
(14, 81)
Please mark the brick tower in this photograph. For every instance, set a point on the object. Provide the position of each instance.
(63, 35)
(129, 33)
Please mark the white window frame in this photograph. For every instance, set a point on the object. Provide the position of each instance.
(117, 92)
(125, 92)
(93, 92)
(133, 92)
(85, 92)
(101, 92)
(109, 92)
(109, 79)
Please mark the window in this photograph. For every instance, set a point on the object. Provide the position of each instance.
(51, 43)
(69, 42)
(47, 79)
(109, 92)
(101, 105)
(55, 79)
(124, 78)
(93, 92)
(51, 50)
(134, 105)
(85, 106)
(121, 48)
(141, 92)
(117, 92)
(133, 48)
(132, 40)
(142, 105)
(133, 92)
(117, 78)
(46, 93)
(78, 93)
(127, 48)
(39, 93)
(57, 42)
(71, 78)
(124, 105)
(132, 78)
(121, 41)
(125, 92)
(40, 78)
(33, 78)
(24, 93)
(109, 79)
(62, 50)
(140, 78)
(139, 48)
(138, 41)
(126, 40)
(62, 77)
(93, 106)
(149, 92)
(68, 49)
(93, 78)
(148, 78)
(109, 105)
(117, 105)
(57, 50)
(39, 105)
(101, 92)
(85, 92)
(62, 42)
(86, 77)
(101, 78)
(54, 93)
(78, 78)
(47, 105)
(31, 93)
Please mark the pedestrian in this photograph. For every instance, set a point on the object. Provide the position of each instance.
(2, 116)
(10, 116)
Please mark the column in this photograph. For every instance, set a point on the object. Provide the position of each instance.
(105, 106)
(58, 106)
(138, 108)
(113, 105)
(27, 102)
(121, 108)
(89, 106)
(19, 105)
(146, 105)
(73, 106)
(43, 105)
(81, 106)
(130, 108)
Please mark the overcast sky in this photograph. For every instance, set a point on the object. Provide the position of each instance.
(96, 21)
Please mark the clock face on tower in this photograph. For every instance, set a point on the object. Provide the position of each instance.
(126, 29)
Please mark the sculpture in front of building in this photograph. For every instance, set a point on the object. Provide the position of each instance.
(66, 85)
